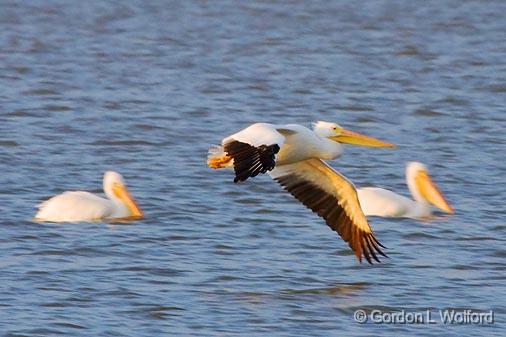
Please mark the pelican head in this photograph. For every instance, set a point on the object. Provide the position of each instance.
(115, 189)
(423, 188)
(339, 134)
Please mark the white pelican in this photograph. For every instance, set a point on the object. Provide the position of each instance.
(293, 154)
(76, 206)
(381, 202)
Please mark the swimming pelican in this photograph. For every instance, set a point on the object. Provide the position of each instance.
(84, 206)
(294, 156)
(382, 202)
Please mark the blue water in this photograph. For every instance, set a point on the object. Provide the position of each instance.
(145, 87)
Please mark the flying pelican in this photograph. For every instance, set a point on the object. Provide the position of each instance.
(76, 206)
(294, 156)
(381, 202)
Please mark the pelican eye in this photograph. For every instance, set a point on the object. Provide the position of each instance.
(336, 129)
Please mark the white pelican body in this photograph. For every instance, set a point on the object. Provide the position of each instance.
(76, 206)
(293, 154)
(381, 202)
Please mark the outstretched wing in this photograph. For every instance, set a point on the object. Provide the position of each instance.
(253, 150)
(334, 198)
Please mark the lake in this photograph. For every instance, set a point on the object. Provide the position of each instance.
(144, 88)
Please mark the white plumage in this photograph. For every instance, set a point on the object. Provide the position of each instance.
(293, 154)
(381, 202)
(76, 206)
(258, 134)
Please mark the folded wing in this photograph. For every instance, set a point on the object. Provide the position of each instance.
(380, 202)
(74, 206)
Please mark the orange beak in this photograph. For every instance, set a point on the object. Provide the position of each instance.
(122, 193)
(354, 138)
(431, 193)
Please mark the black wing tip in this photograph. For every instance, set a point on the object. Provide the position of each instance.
(376, 241)
(362, 242)
(369, 249)
(251, 160)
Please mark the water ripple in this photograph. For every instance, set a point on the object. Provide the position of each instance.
(145, 87)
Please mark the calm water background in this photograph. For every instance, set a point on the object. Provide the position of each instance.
(145, 87)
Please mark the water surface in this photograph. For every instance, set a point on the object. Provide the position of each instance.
(145, 87)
